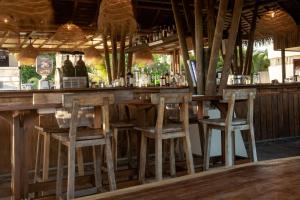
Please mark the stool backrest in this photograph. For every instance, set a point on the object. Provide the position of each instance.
(161, 100)
(232, 95)
(75, 101)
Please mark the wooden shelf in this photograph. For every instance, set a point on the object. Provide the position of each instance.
(165, 45)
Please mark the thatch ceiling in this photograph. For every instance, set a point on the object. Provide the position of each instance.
(148, 13)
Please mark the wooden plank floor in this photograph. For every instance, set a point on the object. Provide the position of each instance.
(276, 179)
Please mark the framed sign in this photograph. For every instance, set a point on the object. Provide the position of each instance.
(4, 58)
(44, 65)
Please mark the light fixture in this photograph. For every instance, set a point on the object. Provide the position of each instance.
(27, 56)
(92, 56)
(273, 14)
(8, 23)
(143, 57)
(69, 32)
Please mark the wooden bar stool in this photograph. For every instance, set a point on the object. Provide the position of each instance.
(125, 124)
(230, 125)
(167, 132)
(87, 137)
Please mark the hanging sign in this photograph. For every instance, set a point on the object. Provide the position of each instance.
(44, 65)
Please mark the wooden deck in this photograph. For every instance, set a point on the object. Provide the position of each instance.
(275, 179)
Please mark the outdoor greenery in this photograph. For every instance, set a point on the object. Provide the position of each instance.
(260, 61)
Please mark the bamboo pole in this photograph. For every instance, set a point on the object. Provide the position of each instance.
(189, 20)
(199, 45)
(237, 12)
(249, 53)
(210, 88)
(107, 59)
(283, 64)
(182, 41)
(121, 68)
(130, 55)
(114, 55)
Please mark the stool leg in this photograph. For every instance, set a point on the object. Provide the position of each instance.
(37, 158)
(207, 135)
(110, 165)
(129, 150)
(115, 147)
(143, 158)
(252, 145)
(158, 159)
(172, 158)
(71, 172)
(228, 147)
(188, 154)
(80, 162)
(46, 157)
(60, 171)
(97, 167)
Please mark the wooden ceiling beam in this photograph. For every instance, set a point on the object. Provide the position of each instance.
(4, 38)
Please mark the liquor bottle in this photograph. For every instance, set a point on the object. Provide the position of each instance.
(167, 78)
(174, 30)
(129, 79)
(169, 32)
(160, 35)
(162, 81)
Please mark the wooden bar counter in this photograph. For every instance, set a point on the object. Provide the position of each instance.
(18, 116)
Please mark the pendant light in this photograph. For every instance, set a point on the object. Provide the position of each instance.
(28, 55)
(69, 32)
(92, 56)
(143, 57)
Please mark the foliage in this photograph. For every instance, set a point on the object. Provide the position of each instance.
(97, 73)
(28, 72)
(260, 61)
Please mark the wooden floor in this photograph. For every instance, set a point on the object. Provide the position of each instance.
(266, 151)
(268, 180)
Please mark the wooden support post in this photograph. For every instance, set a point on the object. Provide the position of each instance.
(237, 12)
(249, 54)
(107, 59)
(114, 55)
(283, 64)
(241, 54)
(210, 88)
(210, 21)
(189, 20)
(121, 68)
(130, 55)
(199, 46)
(182, 41)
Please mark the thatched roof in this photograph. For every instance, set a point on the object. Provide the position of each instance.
(149, 14)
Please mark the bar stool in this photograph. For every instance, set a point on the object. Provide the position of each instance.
(167, 132)
(230, 125)
(88, 137)
(45, 128)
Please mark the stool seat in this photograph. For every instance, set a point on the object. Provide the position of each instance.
(123, 124)
(51, 129)
(87, 134)
(222, 122)
(170, 128)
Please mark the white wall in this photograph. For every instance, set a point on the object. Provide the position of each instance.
(10, 75)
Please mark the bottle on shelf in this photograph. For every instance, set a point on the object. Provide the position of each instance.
(167, 79)
(162, 81)
(129, 79)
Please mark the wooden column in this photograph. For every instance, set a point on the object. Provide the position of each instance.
(210, 88)
(249, 53)
(189, 19)
(182, 41)
(210, 7)
(121, 67)
(237, 11)
(114, 55)
(130, 55)
(241, 54)
(107, 59)
(199, 46)
(283, 64)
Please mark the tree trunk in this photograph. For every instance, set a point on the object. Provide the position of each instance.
(210, 88)
(237, 12)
